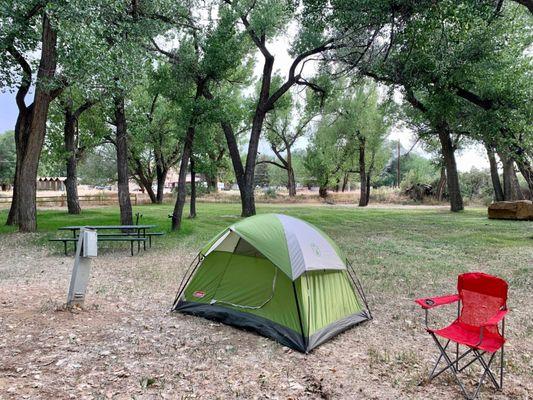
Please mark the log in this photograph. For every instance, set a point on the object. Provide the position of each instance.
(516, 210)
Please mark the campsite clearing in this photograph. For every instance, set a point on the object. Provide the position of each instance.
(126, 344)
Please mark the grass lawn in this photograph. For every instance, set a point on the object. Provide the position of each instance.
(399, 253)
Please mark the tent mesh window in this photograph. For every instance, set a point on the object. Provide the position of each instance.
(246, 249)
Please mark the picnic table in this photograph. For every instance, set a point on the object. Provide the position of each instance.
(131, 233)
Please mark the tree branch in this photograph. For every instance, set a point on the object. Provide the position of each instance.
(270, 162)
(26, 77)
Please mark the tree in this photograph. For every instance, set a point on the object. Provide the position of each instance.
(471, 60)
(72, 147)
(356, 120)
(27, 27)
(7, 158)
(98, 167)
(155, 137)
(208, 56)
(262, 22)
(282, 133)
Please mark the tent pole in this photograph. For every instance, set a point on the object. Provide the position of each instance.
(359, 287)
(184, 282)
(299, 316)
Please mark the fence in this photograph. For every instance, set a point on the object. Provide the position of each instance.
(100, 199)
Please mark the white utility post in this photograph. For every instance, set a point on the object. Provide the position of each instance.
(86, 249)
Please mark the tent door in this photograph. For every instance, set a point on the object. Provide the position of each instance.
(248, 282)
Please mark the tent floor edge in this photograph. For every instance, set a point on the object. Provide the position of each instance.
(282, 334)
(336, 328)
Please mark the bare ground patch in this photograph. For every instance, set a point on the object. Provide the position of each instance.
(125, 344)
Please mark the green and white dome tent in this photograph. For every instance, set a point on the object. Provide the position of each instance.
(279, 276)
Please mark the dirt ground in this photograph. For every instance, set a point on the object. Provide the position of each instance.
(125, 344)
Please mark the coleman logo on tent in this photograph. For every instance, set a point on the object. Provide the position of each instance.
(316, 249)
(199, 294)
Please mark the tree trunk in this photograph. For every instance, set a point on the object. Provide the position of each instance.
(212, 183)
(368, 187)
(126, 214)
(182, 178)
(161, 175)
(526, 170)
(494, 176)
(511, 187)
(247, 198)
(187, 151)
(448, 153)
(345, 182)
(22, 128)
(192, 209)
(363, 193)
(71, 183)
(33, 143)
(442, 184)
(235, 156)
(323, 191)
(291, 181)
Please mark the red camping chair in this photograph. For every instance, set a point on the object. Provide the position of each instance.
(484, 305)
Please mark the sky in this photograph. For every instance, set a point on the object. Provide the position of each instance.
(466, 159)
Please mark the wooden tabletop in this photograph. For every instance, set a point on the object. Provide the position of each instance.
(74, 228)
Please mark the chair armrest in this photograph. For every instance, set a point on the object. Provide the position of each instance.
(430, 302)
(495, 320)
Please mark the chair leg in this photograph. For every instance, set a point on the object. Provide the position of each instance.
(501, 368)
(487, 370)
(458, 359)
(486, 367)
(450, 365)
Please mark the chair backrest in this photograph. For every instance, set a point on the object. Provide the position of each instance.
(482, 296)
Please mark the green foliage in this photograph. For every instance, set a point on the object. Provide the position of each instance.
(99, 167)
(476, 185)
(353, 117)
(7, 157)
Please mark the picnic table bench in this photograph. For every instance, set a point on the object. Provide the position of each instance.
(127, 233)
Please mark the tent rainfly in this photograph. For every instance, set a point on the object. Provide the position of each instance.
(279, 276)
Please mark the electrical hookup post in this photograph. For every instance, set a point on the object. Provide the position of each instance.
(86, 249)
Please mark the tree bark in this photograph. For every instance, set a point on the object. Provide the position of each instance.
(126, 214)
(33, 143)
(161, 175)
(71, 183)
(448, 153)
(494, 176)
(185, 156)
(442, 183)
(363, 193)
(526, 170)
(511, 187)
(192, 208)
(345, 182)
(22, 128)
(182, 178)
(291, 181)
(323, 191)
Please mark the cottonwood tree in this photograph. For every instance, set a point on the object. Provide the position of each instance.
(210, 53)
(355, 125)
(448, 63)
(263, 21)
(155, 126)
(26, 27)
(127, 30)
(287, 123)
(70, 136)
